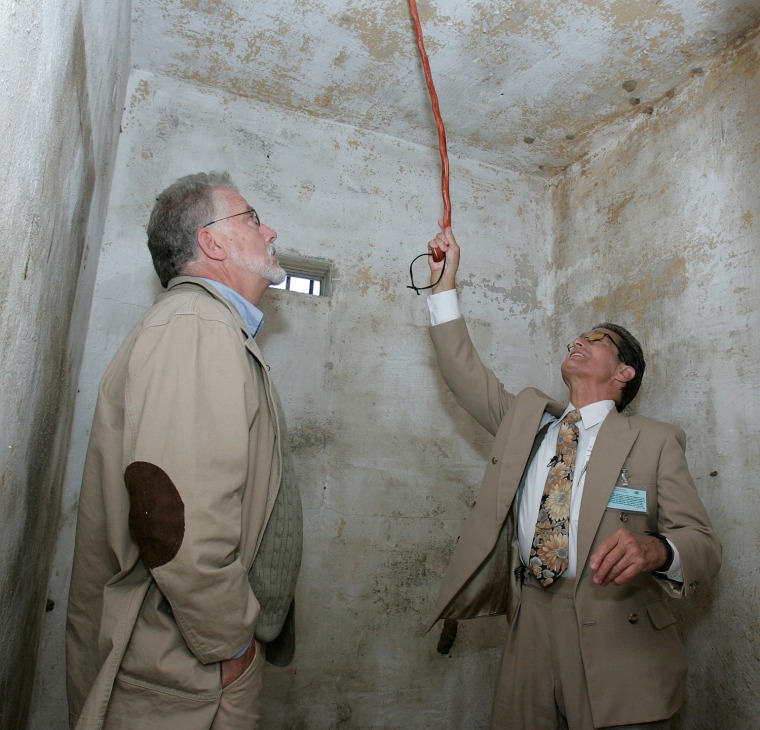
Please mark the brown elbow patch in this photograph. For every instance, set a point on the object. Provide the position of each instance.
(156, 513)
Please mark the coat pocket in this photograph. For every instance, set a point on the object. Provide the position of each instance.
(136, 704)
(660, 614)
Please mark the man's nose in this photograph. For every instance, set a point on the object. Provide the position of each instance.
(269, 234)
(579, 340)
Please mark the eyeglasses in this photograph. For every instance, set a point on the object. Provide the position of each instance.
(253, 213)
(592, 337)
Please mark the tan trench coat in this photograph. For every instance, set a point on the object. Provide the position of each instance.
(635, 671)
(187, 405)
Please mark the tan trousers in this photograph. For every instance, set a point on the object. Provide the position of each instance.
(541, 683)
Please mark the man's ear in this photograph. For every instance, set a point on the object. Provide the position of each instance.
(211, 244)
(625, 373)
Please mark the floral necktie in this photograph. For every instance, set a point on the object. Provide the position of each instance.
(550, 548)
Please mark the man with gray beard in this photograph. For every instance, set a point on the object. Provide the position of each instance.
(190, 527)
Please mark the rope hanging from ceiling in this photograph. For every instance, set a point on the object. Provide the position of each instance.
(438, 122)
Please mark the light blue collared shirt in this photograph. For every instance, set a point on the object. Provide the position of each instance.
(252, 315)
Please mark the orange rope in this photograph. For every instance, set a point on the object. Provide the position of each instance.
(437, 115)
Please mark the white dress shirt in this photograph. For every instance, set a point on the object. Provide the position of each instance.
(592, 417)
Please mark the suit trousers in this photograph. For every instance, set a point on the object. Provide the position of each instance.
(541, 683)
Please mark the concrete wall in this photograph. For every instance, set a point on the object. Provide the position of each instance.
(658, 231)
(64, 77)
(661, 232)
(388, 463)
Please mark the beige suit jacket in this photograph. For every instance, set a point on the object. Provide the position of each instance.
(631, 652)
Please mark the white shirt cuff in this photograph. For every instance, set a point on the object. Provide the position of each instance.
(675, 572)
(443, 306)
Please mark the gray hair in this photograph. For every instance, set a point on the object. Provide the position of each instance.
(180, 210)
(629, 353)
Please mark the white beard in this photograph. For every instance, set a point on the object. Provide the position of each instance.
(271, 271)
(274, 274)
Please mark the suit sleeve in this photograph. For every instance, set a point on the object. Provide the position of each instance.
(683, 519)
(189, 411)
(474, 386)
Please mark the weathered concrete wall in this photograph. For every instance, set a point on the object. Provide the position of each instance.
(388, 463)
(658, 231)
(661, 232)
(64, 75)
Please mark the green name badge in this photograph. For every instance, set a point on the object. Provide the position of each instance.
(631, 500)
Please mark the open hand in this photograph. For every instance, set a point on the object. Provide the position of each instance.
(623, 555)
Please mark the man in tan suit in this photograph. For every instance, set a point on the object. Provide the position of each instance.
(189, 529)
(586, 524)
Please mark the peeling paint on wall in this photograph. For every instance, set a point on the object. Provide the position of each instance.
(552, 70)
(636, 295)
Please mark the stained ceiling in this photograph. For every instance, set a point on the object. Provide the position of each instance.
(522, 83)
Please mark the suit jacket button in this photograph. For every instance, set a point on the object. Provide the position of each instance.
(494, 460)
(623, 517)
(633, 618)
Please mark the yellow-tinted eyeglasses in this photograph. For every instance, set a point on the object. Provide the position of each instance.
(592, 337)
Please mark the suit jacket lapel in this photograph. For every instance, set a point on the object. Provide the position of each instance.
(519, 439)
(480, 579)
(613, 444)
